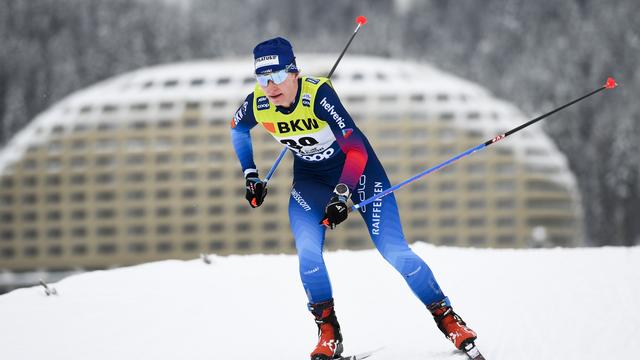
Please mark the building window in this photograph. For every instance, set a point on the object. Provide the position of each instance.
(136, 177)
(448, 222)
(505, 185)
(505, 222)
(506, 239)
(104, 179)
(270, 244)
(105, 196)
(477, 204)
(136, 230)
(216, 227)
(135, 195)
(191, 123)
(8, 253)
(106, 231)
(189, 193)
(477, 222)
(79, 249)
(55, 250)
(163, 176)
(164, 247)
(244, 245)
(215, 192)
(79, 232)
(107, 249)
(54, 215)
(104, 161)
(189, 175)
(448, 240)
(137, 247)
(105, 214)
(78, 214)
(190, 210)
(31, 251)
(6, 235)
(447, 186)
(190, 246)
(163, 193)
(78, 179)
(54, 233)
(164, 229)
(271, 226)
(53, 198)
(216, 210)
(447, 204)
(217, 245)
(30, 234)
(504, 204)
(476, 186)
(477, 240)
(136, 213)
(420, 223)
(163, 212)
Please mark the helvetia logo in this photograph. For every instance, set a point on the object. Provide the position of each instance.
(347, 132)
(313, 80)
(330, 109)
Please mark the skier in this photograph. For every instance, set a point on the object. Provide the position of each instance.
(332, 158)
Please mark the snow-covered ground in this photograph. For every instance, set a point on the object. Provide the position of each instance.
(524, 304)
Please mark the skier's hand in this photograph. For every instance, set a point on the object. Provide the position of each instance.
(256, 190)
(337, 209)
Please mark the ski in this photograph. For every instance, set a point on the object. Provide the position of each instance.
(359, 356)
(472, 352)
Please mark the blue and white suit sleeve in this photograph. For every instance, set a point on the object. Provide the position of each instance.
(351, 141)
(241, 124)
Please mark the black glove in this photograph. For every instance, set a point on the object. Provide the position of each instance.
(337, 209)
(256, 190)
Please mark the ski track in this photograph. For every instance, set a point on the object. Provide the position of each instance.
(524, 304)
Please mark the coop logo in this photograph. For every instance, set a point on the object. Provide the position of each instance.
(318, 157)
(298, 198)
(297, 125)
(262, 103)
(330, 109)
(312, 80)
(306, 100)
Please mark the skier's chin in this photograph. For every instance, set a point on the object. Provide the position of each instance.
(276, 99)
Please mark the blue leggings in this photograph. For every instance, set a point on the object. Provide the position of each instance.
(309, 196)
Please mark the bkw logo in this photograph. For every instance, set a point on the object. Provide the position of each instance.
(297, 125)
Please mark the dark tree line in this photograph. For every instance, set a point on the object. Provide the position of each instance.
(537, 54)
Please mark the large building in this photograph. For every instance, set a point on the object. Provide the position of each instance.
(140, 167)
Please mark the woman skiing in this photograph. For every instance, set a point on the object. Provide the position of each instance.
(331, 158)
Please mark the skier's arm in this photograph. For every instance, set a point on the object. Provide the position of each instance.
(329, 108)
(241, 124)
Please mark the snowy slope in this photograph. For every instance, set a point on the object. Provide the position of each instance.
(525, 304)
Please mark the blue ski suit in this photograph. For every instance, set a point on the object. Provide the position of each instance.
(329, 149)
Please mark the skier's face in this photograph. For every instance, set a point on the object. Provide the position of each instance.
(282, 94)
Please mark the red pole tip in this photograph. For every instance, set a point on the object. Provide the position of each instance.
(361, 20)
(611, 83)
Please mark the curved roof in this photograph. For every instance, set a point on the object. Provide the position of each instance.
(232, 79)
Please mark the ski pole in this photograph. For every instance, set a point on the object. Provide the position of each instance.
(360, 20)
(610, 84)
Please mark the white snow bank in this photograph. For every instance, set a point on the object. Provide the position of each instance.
(524, 304)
